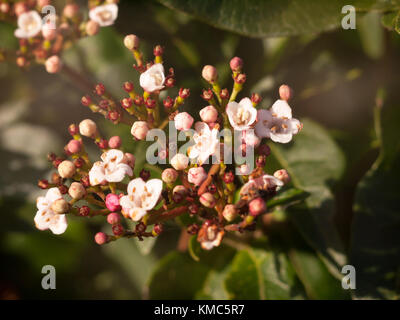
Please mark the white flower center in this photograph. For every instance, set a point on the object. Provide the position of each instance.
(104, 16)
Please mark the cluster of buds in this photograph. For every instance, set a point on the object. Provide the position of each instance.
(43, 32)
(191, 185)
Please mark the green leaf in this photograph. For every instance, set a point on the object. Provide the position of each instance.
(318, 282)
(259, 274)
(375, 242)
(287, 197)
(177, 277)
(272, 18)
(315, 163)
(388, 20)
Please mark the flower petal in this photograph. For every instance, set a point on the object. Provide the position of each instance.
(118, 174)
(154, 189)
(137, 213)
(53, 194)
(59, 224)
(281, 109)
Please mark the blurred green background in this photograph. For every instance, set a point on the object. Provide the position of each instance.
(335, 75)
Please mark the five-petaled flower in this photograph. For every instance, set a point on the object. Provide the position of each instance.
(206, 143)
(29, 25)
(112, 168)
(153, 78)
(241, 115)
(104, 15)
(142, 197)
(277, 123)
(46, 217)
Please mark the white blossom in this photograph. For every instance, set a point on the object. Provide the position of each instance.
(104, 15)
(206, 143)
(153, 78)
(29, 25)
(264, 182)
(112, 168)
(241, 115)
(45, 217)
(277, 123)
(142, 197)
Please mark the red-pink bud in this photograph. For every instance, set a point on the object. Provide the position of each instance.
(99, 89)
(209, 73)
(128, 86)
(100, 238)
(74, 146)
(257, 206)
(285, 92)
(184, 93)
(158, 50)
(112, 202)
(236, 64)
(113, 218)
(114, 142)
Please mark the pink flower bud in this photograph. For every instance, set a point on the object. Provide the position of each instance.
(71, 10)
(131, 41)
(113, 218)
(169, 175)
(92, 28)
(183, 121)
(53, 64)
(4, 7)
(76, 190)
(60, 206)
(100, 238)
(43, 3)
(112, 202)
(139, 129)
(130, 159)
(285, 92)
(48, 32)
(114, 142)
(257, 206)
(236, 64)
(209, 73)
(197, 175)
(207, 200)
(209, 114)
(88, 128)
(282, 175)
(230, 212)
(74, 146)
(66, 169)
(180, 161)
(20, 8)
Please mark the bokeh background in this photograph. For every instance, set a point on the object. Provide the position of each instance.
(335, 75)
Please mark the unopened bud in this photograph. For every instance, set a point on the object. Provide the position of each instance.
(131, 42)
(60, 206)
(180, 161)
(53, 64)
(76, 190)
(139, 129)
(113, 218)
(207, 200)
(285, 92)
(236, 64)
(88, 128)
(158, 51)
(230, 212)
(257, 206)
(128, 86)
(66, 169)
(224, 94)
(100, 238)
(74, 146)
(114, 142)
(256, 98)
(209, 73)
(169, 175)
(240, 78)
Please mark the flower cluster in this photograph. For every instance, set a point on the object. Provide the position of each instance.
(44, 32)
(217, 198)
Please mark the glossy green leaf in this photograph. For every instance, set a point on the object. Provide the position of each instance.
(259, 274)
(272, 18)
(287, 197)
(315, 163)
(177, 276)
(375, 242)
